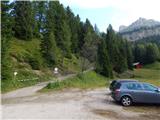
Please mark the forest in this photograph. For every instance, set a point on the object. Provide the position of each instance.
(53, 35)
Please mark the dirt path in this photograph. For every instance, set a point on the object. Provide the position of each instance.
(74, 104)
(29, 91)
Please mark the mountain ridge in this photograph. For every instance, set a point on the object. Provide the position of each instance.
(140, 29)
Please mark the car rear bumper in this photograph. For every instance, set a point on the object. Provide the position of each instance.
(116, 97)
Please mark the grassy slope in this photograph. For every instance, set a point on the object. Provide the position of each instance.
(87, 80)
(91, 79)
(149, 73)
(23, 54)
(154, 66)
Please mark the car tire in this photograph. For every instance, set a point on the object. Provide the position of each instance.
(126, 101)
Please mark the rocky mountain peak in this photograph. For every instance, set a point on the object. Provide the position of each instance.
(141, 29)
(140, 23)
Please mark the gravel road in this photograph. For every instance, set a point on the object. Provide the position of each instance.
(72, 104)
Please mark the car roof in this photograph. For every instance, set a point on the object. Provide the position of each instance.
(139, 83)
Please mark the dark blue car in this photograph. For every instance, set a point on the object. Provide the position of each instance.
(136, 92)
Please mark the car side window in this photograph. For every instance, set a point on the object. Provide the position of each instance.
(149, 87)
(134, 86)
(138, 87)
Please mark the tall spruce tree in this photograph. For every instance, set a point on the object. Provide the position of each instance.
(23, 20)
(117, 54)
(129, 55)
(103, 63)
(49, 46)
(40, 9)
(152, 53)
(62, 29)
(6, 34)
(49, 49)
(140, 53)
(74, 27)
(88, 39)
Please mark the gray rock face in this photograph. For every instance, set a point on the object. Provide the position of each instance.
(122, 27)
(141, 28)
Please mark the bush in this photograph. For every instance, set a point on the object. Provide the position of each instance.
(35, 64)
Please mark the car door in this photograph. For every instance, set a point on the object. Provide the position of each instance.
(151, 93)
(136, 91)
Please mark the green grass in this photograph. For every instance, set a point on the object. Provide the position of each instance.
(148, 75)
(25, 57)
(94, 80)
(155, 66)
(84, 81)
(28, 76)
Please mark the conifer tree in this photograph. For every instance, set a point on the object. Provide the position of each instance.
(103, 63)
(49, 49)
(152, 53)
(6, 34)
(49, 45)
(129, 55)
(116, 50)
(23, 20)
(74, 27)
(41, 14)
(62, 29)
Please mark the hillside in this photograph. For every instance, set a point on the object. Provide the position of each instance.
(26, 59)
(140, 29)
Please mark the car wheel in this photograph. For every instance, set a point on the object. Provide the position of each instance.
(126, 101)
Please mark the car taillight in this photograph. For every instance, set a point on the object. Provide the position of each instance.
(117, 91)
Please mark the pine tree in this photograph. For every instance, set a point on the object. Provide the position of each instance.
(62, 29)
(96, 30)
(116, 50)
(23, 20)
(41, 9)
(152, 53)
(49, 45)
(103, 63)
(6, 34)
(74, 27)
(88, 41)
(129, 55)
(36, 27)
(140, 53)
(49, 49)
(66, 43)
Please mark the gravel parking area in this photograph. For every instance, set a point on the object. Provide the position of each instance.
(74, 104)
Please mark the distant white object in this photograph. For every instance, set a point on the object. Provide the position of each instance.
(135, 63)
(15, 73)
(55, 70)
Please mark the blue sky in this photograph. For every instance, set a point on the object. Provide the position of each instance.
(115, 12)
(96, 16)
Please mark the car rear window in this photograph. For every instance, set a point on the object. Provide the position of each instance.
(113, 82)
(117, 86)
